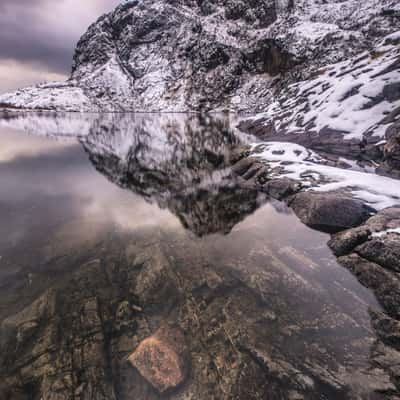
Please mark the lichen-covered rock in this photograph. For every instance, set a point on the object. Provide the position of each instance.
(162, 359)
(385, 284)
(384, 251)
(344, 242)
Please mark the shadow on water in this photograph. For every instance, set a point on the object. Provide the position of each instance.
(94, 260)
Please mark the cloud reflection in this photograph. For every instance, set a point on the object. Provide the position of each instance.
(48, 180)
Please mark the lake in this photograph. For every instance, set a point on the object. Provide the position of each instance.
(115, 224)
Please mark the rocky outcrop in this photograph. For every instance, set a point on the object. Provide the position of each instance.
(181, 55)
(371, 252)
(168, 55)
(391, 151)
(345, 109)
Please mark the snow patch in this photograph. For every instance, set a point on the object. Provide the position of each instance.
(296, 162)
(387, 232)
(348, 97)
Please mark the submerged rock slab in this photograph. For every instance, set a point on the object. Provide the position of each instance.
(162, 359)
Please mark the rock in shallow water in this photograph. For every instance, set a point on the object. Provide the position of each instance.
(162, 359)
(330, 212)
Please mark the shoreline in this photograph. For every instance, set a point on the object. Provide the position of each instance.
(365, 241)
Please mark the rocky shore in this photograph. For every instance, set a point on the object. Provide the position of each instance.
(364, 240)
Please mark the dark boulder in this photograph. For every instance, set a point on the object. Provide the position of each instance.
(330, 212)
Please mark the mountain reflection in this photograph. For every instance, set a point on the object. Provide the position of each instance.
(177, 161)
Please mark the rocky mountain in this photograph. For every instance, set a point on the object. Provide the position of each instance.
(191, 55)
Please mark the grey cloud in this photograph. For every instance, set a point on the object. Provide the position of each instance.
(30, 32)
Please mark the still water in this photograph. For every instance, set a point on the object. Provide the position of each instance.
(114, 225)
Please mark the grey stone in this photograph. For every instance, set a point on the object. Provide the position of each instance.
(329, 212)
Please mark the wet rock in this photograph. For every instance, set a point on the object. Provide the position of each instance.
(388, 218)
(245, 164)
(385, 284)
(162, 359)
(384, 251)
(344, 242)
(257, 174)
(282, 188)
(387, 329)
(374, 259)
(329, 212)
(238, 153)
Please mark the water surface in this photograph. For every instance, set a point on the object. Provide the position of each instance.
(103, 211)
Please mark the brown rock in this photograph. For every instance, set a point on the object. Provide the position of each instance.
(385, 284)
(384, 251)
(162, 359)
(281, 188)
(344, 242)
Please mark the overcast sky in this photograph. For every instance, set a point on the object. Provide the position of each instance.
(38, 37)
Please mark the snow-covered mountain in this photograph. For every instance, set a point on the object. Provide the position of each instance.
(181, 55)
(346, 108)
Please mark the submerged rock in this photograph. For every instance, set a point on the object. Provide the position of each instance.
(162, 359)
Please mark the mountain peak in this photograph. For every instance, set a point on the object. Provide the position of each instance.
(192, 55)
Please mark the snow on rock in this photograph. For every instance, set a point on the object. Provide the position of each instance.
(186, 55)
(301, 164)
(49, 96)
(387, 232)
(351, 97)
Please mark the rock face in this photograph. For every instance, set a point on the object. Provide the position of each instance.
(344, 109)
(162, 359)
(169, 55)
(391, 151)
(177, 55)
